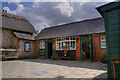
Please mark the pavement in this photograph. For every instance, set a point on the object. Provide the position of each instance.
(46, 68)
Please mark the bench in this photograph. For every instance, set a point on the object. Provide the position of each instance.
(9, 54)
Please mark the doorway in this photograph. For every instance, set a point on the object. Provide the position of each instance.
(86, 48)
(49, 49)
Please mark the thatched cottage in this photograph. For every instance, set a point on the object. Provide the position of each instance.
(17, 36)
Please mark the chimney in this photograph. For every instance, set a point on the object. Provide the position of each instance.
(4, 11)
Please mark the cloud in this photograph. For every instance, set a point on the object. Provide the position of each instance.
(46, 14)
(65, 8)
(19, 8)
(9, 11)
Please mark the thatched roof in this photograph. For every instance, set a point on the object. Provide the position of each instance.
(72, 29)
(16, 23)
(24, 36)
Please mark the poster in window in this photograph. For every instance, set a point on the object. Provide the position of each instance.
(27, 47)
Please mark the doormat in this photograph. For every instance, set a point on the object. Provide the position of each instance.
(60, 77)
(39, 73)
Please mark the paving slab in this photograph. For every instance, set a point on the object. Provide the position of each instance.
(46, 68)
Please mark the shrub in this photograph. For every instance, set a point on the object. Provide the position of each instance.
(25, 57)
(104, 57)
(32, 56)
(55, 56)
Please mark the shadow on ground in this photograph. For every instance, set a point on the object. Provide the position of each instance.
(79, 64)
(101, 77)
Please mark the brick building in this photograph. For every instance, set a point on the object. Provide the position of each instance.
(84, 40)
(17, 36)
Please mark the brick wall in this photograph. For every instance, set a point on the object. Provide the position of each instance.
(97, 52)
(78, 48)
(54, 44)
(37, 47)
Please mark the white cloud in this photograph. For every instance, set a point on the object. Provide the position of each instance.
(81, 3)
(53, 13)
(57, 0)
(7, 8)
(65, 8)
(9, 11)
(11, 0)
(19, 8)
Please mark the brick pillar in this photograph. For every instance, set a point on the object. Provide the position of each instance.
(37, 47)
(77, 48)
(54, 44)
(97, 52)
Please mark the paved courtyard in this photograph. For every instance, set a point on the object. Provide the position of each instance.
(44, 68)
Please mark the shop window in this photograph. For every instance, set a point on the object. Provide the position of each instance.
(26, 46)
(42, 44)
(68, 42)
(102, 42)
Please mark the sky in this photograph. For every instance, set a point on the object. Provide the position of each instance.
(47, 14)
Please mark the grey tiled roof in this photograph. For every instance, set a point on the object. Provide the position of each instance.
(24, 36)
(17, 23)
(76, 28)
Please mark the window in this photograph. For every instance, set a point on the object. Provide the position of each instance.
(68, 42)
(102, 42)
(42, 44)
(26, 46)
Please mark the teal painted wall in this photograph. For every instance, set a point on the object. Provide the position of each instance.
(111, 14)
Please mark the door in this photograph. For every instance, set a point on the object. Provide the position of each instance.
(91, 48)
(86, 46)
(49, 50)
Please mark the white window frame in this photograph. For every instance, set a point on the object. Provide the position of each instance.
(63, 40)
(102, 42)
(42, 42)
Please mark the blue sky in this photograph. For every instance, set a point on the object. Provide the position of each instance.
(13, 6)
(47, 14)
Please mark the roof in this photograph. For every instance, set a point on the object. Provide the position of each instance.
(17, 23)
(108, 6)
(72, 29)
(24, 36)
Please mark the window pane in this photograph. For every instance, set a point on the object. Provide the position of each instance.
(27, 46)
(68, 44)
(74, 44)
(103, 41)
(67, 38)
(42, 44)
(65, 43)
(73, 38)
